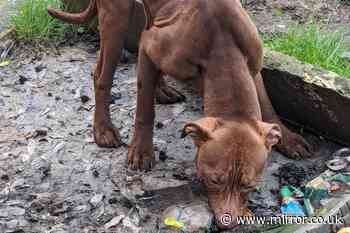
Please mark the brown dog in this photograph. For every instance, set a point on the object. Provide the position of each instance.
(114, 18)
(214, 42)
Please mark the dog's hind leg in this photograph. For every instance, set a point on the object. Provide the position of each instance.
(292, 145)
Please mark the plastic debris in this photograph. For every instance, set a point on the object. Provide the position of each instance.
(290, 205)
(172, 222)
(340, 161)
(193, 217)
(310, 210)
(292, 208)
(315, 191)
(345, 178)
(289, 191)
(337, 164)
(335, 187)
(318, 183)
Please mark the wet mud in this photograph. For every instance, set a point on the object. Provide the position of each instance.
(53, 177)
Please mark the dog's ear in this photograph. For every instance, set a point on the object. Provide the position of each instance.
(272, 134)
(201, 130)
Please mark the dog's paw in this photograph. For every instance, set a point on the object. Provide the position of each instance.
(294, 146)
(106, 135)
(141, 155)
(168, 95)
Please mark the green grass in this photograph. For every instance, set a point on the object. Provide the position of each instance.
(311, 44)
(32, 22)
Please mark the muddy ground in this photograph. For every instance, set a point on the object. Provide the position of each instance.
(53, 178)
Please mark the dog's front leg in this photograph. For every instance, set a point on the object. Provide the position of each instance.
(141, 154)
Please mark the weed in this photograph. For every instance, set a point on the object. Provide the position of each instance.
(312, 44)
(33, 23)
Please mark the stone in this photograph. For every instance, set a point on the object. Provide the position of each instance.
(98, 212)
(162, 155)
(96, 200)
(22, 79)
(131, 225)
(39, 68)
(82, 94)
(114, 221)
(82, 208)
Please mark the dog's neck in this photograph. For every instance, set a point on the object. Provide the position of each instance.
(231, 97)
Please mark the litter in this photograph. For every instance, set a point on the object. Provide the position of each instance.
(172, 222)
(192, 217)
(340, 161)
(337, 164)
(310, 200)
(344, 178)
(290, 205)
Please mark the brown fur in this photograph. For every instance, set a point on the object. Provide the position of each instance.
(216, 43)
(114, 19)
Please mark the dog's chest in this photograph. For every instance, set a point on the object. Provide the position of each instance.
(179, 49)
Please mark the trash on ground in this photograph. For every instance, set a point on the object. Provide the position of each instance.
(189, 218)
(290, 205)
(309, 200)
(340, 161)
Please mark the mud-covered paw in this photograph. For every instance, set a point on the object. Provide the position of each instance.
(168, 95)
(294, 146)
(106, 135)
(141, 155)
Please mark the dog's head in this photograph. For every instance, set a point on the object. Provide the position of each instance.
(230, 160)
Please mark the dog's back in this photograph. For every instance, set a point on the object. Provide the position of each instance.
(183, 33)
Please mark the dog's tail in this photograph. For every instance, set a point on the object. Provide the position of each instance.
(75, 18)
